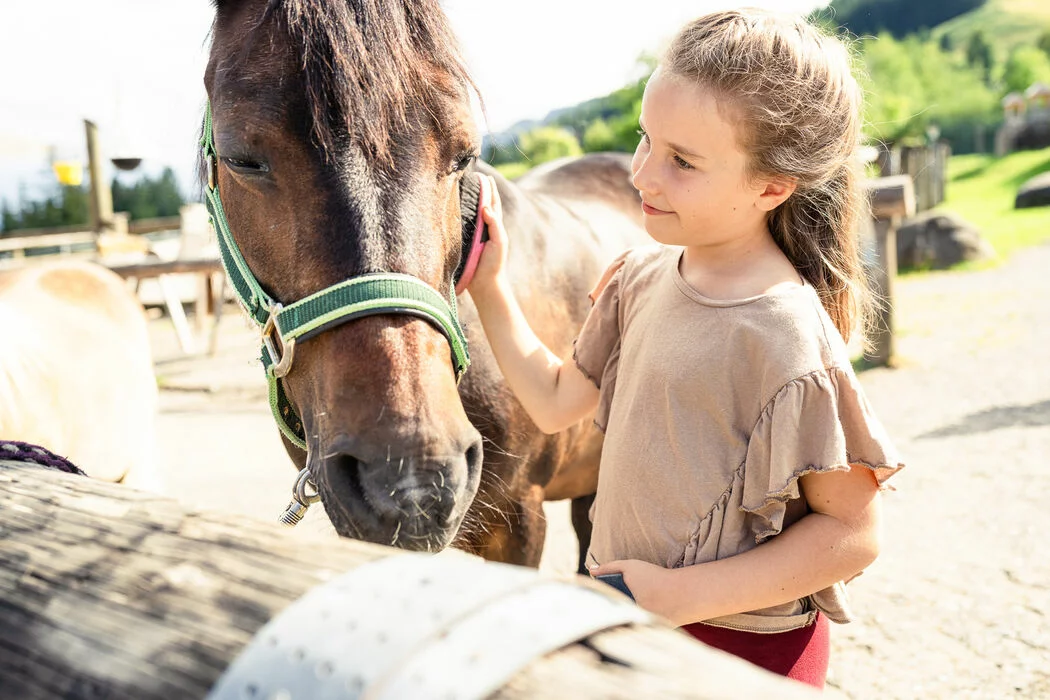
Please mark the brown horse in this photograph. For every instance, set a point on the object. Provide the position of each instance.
(343, 135)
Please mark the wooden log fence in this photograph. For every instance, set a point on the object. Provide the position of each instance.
(107, 592)
(927, 166)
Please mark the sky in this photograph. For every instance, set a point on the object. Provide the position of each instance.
(135, 68)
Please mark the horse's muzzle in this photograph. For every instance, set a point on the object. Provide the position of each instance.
(407, 501)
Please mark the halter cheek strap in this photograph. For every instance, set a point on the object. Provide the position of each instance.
(285, 326)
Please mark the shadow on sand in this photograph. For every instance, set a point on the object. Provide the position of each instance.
(1030, 416)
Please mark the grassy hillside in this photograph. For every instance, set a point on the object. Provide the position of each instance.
(981, 189)
(1006, 24)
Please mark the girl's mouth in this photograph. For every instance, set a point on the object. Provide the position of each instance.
(653, 211)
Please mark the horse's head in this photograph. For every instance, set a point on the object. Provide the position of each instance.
(343, 135)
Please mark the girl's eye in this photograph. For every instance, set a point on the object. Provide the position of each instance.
(682, 164)
(246, 167)
(645, 136)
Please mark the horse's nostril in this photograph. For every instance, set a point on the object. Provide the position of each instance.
(474, 456)
(346, 471)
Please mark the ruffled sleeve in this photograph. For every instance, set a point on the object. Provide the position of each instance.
(596, 350)
(820, 422)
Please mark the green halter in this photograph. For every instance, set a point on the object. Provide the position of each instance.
(367, 295)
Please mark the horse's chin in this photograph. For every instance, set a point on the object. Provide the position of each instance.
(413, 534)
(426, 527)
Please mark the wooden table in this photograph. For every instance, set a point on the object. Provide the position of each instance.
(210, 296)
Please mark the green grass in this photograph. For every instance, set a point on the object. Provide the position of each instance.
(981, 189)
(512, 171)
(1006, 23)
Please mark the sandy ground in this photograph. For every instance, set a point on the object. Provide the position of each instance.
(958, 605)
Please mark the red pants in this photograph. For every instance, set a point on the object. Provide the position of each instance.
(800, 654)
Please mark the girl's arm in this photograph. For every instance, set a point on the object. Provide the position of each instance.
(554, 392)
(833, 543)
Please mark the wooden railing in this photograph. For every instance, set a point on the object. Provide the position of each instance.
(18, 242)
(18, 245)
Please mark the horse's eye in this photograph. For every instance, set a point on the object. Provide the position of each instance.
(464, 162)
(245, 166)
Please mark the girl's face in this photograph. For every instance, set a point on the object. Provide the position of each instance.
(690, 169)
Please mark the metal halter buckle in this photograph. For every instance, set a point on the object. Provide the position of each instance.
(213, 175)
(283, 360)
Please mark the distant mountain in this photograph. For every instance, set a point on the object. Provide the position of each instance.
(575, 118)
(898, 17)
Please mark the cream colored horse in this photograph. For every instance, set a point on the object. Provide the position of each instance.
(76, 372)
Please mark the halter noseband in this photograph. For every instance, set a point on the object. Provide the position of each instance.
(284, 326)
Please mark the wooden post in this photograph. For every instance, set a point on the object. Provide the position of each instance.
(101, 195)
(892, 198)
(110, 592)
(197, 240)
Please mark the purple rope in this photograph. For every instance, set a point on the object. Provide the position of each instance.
(34, 454)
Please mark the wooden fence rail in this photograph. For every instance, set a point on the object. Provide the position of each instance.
(19, 242)
(110, 592)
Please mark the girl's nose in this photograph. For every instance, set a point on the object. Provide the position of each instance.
(641, 177)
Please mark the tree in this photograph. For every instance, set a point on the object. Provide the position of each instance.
(599, 136)
(979, 54)
(548, 143)
(1043, 42)
(1026, 65)
(911, 84)
(148, 198)
(67, 206)
(7, 218)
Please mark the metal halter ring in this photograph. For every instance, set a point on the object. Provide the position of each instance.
(302, 482)
(282, 361)
(295, 511)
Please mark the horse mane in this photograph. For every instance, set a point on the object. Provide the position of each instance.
(368, 64)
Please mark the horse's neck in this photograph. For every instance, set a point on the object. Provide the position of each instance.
(21, 360)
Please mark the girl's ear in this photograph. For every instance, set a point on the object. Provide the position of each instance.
(775, 193)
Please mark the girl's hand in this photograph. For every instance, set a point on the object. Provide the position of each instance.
(493, 260)
(650, 584)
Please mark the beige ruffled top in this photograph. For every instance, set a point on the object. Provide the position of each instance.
(712, 411)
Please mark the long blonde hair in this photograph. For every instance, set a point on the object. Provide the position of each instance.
(792, 91)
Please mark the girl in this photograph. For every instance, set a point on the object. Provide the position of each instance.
(741, 469)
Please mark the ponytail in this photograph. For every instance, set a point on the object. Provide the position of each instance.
(817, 228)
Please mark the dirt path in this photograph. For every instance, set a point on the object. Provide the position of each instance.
(958, 605)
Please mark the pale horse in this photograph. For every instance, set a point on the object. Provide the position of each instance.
(76, 371)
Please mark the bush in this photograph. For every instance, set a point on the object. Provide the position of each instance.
(912, 84)
(548, 143)
(1026, 65)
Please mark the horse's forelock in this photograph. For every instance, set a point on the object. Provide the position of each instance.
(367, 64)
